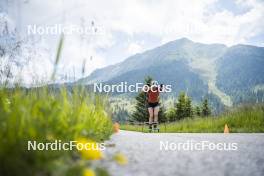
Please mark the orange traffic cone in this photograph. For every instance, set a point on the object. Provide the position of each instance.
(116, 127)
(226, 130)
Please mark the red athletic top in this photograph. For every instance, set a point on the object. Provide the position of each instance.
(153, 96)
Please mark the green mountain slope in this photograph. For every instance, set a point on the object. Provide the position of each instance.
(241, 73)
(227, 74)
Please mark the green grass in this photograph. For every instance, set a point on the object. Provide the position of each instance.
(246, 119)
(44, 115)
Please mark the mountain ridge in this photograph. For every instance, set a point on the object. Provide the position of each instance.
(205, 65)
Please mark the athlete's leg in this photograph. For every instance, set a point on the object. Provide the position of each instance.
(156, 114)
(151, 113)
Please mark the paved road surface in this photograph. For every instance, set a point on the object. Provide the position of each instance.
(146, 158)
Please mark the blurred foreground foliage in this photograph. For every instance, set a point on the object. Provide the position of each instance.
(45, 115)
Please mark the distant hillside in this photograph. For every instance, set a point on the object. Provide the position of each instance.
(241, 73)
(227, 74)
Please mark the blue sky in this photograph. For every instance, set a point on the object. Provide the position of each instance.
(131, 27)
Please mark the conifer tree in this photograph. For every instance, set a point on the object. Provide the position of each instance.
(198, 111)
(188, 107)
(162, 116)
(141, 112)
(206, 111)
(180, 106)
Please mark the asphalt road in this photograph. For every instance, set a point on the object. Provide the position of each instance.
(147, 155)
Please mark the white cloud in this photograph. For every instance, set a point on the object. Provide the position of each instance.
(134, 48)
(167, 20)
(76, 51)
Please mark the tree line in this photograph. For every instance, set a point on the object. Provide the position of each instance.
(181, 109)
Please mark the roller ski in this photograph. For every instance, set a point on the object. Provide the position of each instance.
(153, 127)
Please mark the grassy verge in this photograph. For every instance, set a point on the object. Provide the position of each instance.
(246, 119)
(44, 115)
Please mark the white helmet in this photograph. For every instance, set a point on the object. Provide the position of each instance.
(154, 83)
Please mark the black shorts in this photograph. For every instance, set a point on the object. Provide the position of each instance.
(153, 105)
